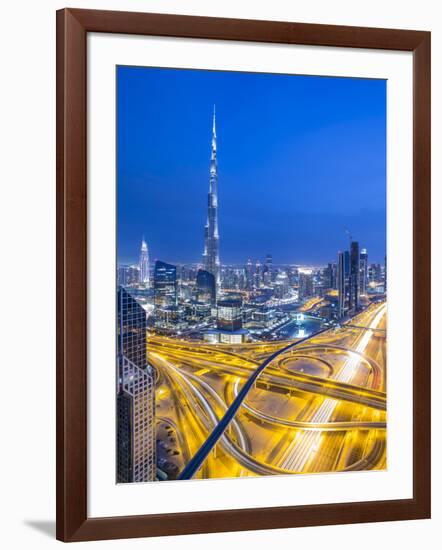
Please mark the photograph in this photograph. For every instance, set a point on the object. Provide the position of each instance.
(251, 274)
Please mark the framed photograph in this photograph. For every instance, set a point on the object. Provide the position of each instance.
(243, 274)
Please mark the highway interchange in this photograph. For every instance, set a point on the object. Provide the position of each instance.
(318, 406)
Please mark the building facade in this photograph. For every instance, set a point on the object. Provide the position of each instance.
(211, 233)
(305, 286)
(354, 276)
(363, 271)
(206, 287)
(165, 285)
(136, 442)
(342, 284)
(128, 275)
(144, 265)
(229, 315)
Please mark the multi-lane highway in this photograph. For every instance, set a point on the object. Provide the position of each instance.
(317, 405)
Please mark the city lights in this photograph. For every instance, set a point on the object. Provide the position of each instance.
(259, 368)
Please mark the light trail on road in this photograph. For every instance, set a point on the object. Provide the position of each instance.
(306, 420)
(304, 444)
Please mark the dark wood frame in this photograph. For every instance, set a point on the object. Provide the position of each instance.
(73, 523)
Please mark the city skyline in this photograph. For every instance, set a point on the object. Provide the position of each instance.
(294, 240)
(235, 355)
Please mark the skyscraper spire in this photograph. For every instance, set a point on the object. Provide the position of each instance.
(211, 235)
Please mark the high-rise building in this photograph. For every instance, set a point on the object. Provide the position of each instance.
(363, 268)
(342, 284)
(281, 285)
(128, 275)
(354, 276)
(305, 284)
(269, 262)
(249, 275)
(375, 273)
(229, 315)
(165, 285)
(144, 265)
(136, 442)
(268, 269)
(211, 234)
(330, 276)
(206, 287)
(258, 274)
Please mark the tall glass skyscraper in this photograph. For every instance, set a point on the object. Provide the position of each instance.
(305, 287)
(363, 271)
(206, 287)
(144, 264)
(211, 234)
(354, 276)
(136, 456)
(342, 283)
(165, 285)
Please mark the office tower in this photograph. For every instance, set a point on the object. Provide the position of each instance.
(128, 275)
(334, 275)
(211, 235)
(363, 269)
(269, 262)
(144, 265)
(342, 283)
(305, 284)
(354, 276)
(249, 275)
(268, 269)
(165, 285)
(122, 275)
(330, 276)
(375, 273)
(136, 457)
(258, 274)
(206, 287)
(281, 285)
(229, 315)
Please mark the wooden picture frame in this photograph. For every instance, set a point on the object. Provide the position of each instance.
(73, 523)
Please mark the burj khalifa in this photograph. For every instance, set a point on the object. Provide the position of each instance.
(211, 235)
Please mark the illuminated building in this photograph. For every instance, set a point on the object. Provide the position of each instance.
(305, 288)
(375, 273)
(269, 263)
(229, 315)
(354, 276)
(258, 274)
(281, 285)
(363, 271)
(136, 395)
(267, 271)
(128, 275)
(249, 275)
(330, 276)
(144, 265)
(264, 316)
(342, 283)
(165, 285)
(211, 234)
(229, 324)
(206, 287)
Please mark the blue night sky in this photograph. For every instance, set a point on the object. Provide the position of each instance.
(300, 160)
